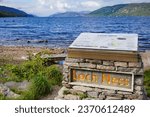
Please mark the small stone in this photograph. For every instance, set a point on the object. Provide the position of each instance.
(139, 80)
(11, 84)
(116, 95)
(81, 88)
(108, 92)
(64, 82)
(93, 61)
(92, 94)
(124, 69)
(102, 67)
(88, 65)
(108, 63)
(72, 64)
(141, 97)
(98, 90)
(124, 92)
(139, 88)
(139, 92)
(72, 60)
(23, 85)
(61, 92)
(113, 98)
(102, 97)
(12, 95)
(89, 99)
(140, 72)
(135, 64)
(71, 97)
(58, 98)
(131, 96)
(121, 64)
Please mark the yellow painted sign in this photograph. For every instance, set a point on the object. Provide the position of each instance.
(110, 80)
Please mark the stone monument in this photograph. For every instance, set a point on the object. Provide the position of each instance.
(103, 67)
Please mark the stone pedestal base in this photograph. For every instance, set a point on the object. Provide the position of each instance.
(82, 92)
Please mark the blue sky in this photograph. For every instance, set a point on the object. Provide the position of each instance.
(48, 7)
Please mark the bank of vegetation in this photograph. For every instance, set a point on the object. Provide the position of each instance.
(37, 71)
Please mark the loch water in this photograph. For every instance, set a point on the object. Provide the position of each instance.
(61, 32)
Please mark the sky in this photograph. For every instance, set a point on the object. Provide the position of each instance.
(47, 7)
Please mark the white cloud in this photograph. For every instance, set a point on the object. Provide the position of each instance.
(90, 4)
(48, 7)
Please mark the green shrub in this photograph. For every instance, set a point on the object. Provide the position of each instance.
(39, 87)
(147, 81)
(54, 75)
(36, 71)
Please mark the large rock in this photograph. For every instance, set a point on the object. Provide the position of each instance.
(61, 92)
(5, 91)
(82, 88)
(113, 98)
(18, 85)
(92, 94)
(71, 97)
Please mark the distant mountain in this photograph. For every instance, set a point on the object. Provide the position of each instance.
(70, 14)
(12, 12)
(134, 9)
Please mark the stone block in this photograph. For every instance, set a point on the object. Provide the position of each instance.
(140, 72)
(89, 99)
(93, 61)
(134, 64)
(101, 97)
(61, 92)
(131, 96)
(139, 80)
(124, 92)
(92, 94)
(139, 88)
(108, 63)
(71, 97)
(108, 92)
(72, 64)
(88, 65)
(72, 60)
(58, 98)
(113, 98)
(116, 95)
(121, 64)
(139, 92)
(106, 68)
(82, 88)
(124, 69)
(98, 90)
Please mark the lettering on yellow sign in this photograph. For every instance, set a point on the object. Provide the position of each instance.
(103, 78)
(106, 78)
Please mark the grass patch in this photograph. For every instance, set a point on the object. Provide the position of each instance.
(147, 82)
(39, 87)
(82, 96)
